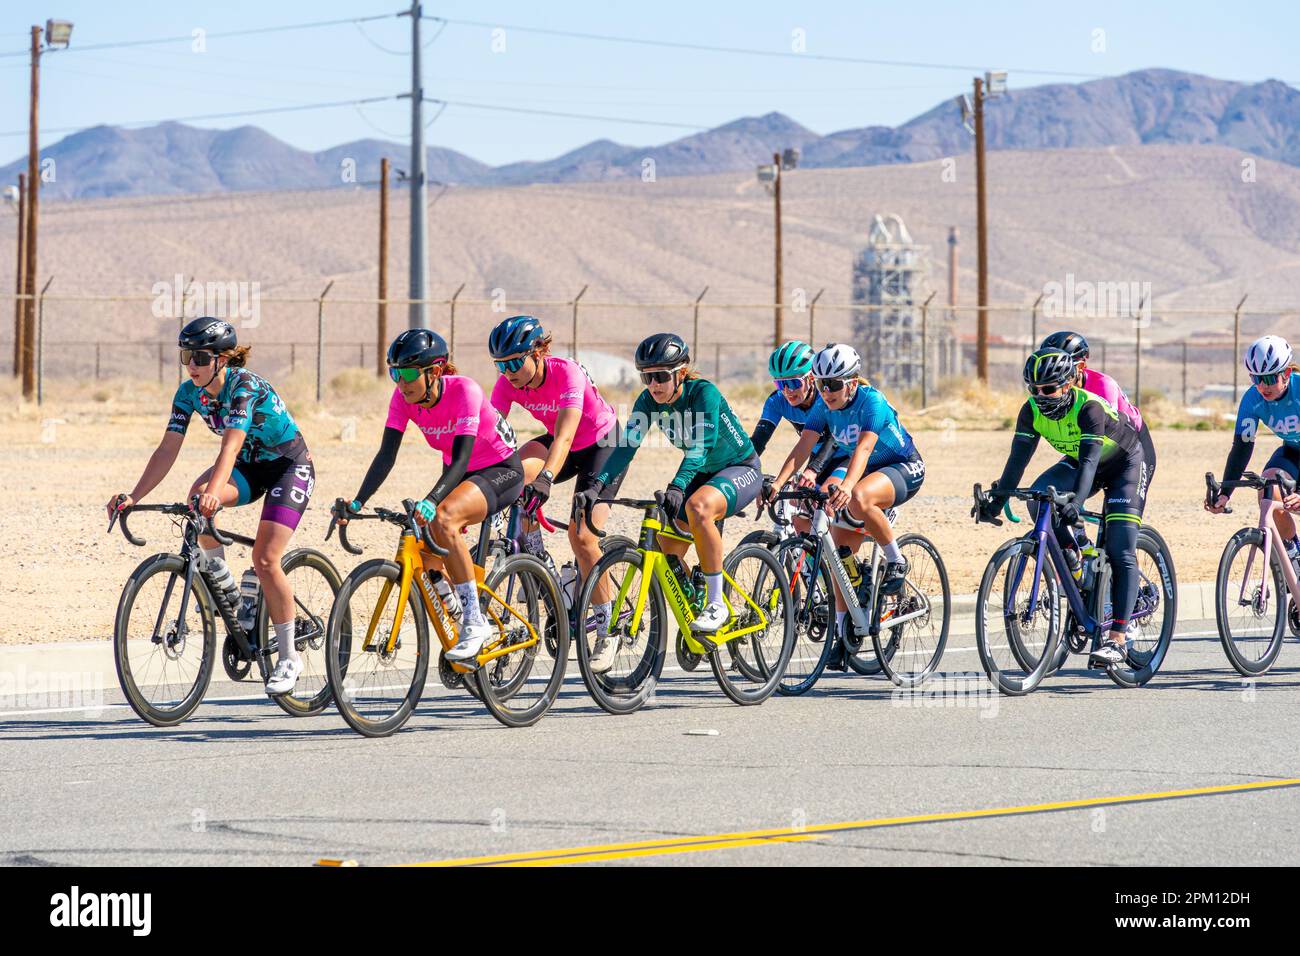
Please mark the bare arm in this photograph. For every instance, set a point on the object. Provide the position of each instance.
(159, 464)
(798, 455)
(566, 426)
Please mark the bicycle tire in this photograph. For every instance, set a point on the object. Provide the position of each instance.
(1009, 683)
(769, 670)
(1245, 665)
(893, 653)
(174, 565)
(820, 618)
(341, 646)
(310, 626)
(1141, 664)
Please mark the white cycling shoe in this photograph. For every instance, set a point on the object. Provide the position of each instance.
(712, 619)
(602, 658)
(285, 676)
(472, 639)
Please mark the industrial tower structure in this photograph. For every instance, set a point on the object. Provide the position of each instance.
(889, 276)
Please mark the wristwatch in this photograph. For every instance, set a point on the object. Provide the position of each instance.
(546, 473)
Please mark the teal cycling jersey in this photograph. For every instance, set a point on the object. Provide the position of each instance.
(246, 402)
(867, 412)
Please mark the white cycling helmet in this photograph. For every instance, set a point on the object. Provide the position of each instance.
(836, 361)
(1268, 355)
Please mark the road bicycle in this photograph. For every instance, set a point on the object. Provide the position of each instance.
(164, 637)
(377, 641)
(1249, 602)
(1020, 630)
(748, 655)
(908, 629)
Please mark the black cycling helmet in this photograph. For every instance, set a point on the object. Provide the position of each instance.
(1072, 343)
(1050, 367)
(207, 334)
(519, 333)
(662, 350)
(417, 348)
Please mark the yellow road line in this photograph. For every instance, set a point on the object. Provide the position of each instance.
(725, 841)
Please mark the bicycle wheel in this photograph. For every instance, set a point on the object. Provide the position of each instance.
(315, 583)
(1017, 643)
(910, 651)
(1155, 613)
(1250, 603)
(164, 662)
(631, 680)
(376, 689)
(813, 623)
(519, 685)
(753, 664)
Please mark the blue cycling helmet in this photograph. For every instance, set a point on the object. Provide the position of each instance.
(790, 360)
(519, 333)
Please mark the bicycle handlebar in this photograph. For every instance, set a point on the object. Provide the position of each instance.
(189, 511)
(403, 519)
(1285, 484)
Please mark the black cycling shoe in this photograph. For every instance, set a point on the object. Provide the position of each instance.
(837, 662)
(1108, 654)
(891, 579)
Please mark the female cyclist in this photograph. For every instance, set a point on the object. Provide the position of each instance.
(1099, 383)
(581, 433)
(262, 453)
(719, 474)
(481, 469)
(884, 469)
(1270, 363)
(1101, 451)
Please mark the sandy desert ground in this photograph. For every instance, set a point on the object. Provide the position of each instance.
(62, 573)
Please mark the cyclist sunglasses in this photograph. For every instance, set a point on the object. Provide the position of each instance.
(1272, 379)
(659, 376)
(511, 365)
(831, 384)
(198, 357)
(404, 374)
(1047, 391)
(789, 384)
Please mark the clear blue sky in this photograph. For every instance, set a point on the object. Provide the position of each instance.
(1241, 41)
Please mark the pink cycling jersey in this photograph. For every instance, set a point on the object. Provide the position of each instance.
(1098, 383)
(566, 385)
(462, 410)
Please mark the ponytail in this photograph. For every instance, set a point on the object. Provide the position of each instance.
(236, 357)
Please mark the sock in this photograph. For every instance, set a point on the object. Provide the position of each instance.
(467, 591)
(600, 614)
(284, 641)
(891, 551)
(1292, 547)
(839, 622)
(210, 554)
(533, 542)
(713, 582)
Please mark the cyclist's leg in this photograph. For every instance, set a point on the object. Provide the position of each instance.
(237, 491)
(533, 456)
(1125, 501)
(723, 494)
(289, 491)
(1285, 460)
(1060, 476)
(587, 464)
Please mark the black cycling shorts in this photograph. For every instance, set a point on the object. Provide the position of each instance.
(501, 483)
(286, 482)
(589, 462)
(907, 478)
(1285, 458)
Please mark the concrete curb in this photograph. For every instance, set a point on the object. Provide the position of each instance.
(89, 664)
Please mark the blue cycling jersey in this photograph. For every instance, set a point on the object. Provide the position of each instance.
(246, 402)
(868, 412)
(777, 408)
(1282, 416)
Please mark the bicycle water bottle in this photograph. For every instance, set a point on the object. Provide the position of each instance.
(850, 566)
(682, 575)
(569, 583)
(448, 597)
(249, 591)
(223, 581)
(699, 586)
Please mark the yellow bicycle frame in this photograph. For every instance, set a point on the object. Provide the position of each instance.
(410, 557)
(654, 564)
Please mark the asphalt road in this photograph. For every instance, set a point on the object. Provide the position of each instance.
(1081, 772)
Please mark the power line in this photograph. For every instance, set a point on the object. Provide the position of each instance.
(189, 37)
(565, 115)
(750, 51)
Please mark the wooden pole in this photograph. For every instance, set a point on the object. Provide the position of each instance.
(778, 334)
(20, 279)
(33, 217)
(982, 240)
(381, 316)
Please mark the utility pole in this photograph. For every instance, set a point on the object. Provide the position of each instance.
(381, 317)
(982, 240)
(33, 207)
(419, 266)
(20, 278)
(777, 334)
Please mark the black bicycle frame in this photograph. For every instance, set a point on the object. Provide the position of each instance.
(1046, 541)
